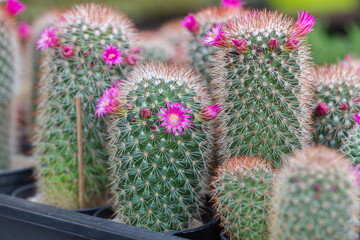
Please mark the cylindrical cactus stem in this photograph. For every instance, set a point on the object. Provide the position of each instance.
(351, 144)
(9, 81)
(263, 80)
(241, 194)
(336, 99)
(315, 196)
(198, 25)
(159, 146)
(89, 47)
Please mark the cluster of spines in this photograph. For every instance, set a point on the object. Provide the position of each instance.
(241, 194)
(158, 178)
(351, 144)
(315, 196)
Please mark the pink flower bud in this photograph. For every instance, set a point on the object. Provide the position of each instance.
(68, 51)
(24, 30)
(356, 100)
(291, 44)
(131, 60)
(190, 23)
(153, 127)
(145, 113)
(343, 107)
(133, 119)
(129, 106)
(322, 109)
(210, 112)
(273, 44)
(135, 50)
(86, 53)
(240, 45)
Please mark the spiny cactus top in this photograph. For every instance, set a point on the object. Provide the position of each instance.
(336, 99)
(159, 145)
(242, 197)
(263, 80)
(351, 144)
(155, 47)
(315, 197)
(198, 24)
(9, 76)
(88, 50)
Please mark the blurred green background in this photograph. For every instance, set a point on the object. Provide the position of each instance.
(337, 33)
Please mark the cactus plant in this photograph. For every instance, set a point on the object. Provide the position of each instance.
(155, 47)
(351, 143)
(336, 99)
(263, 80)
(159, 146)
(315, 196)
(89, 48)
(9, 78)
(241, 194)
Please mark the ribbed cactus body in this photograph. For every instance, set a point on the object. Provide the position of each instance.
(351, 145)
(315, 197)
(264, 89)
(336, 99)
(242, 197)
(86, 29)
(156, 175)
(8, 77)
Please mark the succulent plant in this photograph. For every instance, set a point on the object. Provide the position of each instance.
(241, 194)
(336, 99)
(156, 47)
(351, 144)
(159, 146)
(89, 48)
(315, 196)
(263, 81)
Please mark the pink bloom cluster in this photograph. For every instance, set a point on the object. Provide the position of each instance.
(232, 3)
(108, 102)
(210, 112)
(190, 23)
(303, 25)
(112, 55)
(14, 7)
(174, 117)
(47, 39)
(215, 37)
(24, 30)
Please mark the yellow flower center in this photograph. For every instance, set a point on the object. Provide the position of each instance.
(111, 56)
(212, 35)
(174, 119)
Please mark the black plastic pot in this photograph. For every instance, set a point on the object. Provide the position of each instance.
(29, 190)
(14, 178)
(209, 231)
(21, 219)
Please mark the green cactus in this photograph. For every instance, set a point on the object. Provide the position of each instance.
(75, 66)
(241, 194)
(351, 145)
(315, 196)
(9, 70)
(157, 176)
(336, 98)
(263, 80)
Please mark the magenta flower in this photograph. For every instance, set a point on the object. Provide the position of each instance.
(357, 118)
(356, 173)
(47, 39)
(108, 102)
(322, 109)
(303, 25)
(14, 7)
(112, 55)
(273, 44)
(232, 3)
(174, 117)
(240, 45)
(190, 23)
(131, 60)
(343, 107)
(214, 37)
(210, 112)
(24, 30)
(68, 51)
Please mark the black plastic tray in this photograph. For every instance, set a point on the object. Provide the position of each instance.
(14, 178)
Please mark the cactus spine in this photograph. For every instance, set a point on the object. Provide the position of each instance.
(336, 98)
(315, 197)
(351, 146)
(157, 176)
(242, 197)
(75, 66)
(264, 84)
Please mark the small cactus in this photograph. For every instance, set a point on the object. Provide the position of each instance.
(336, 99)
(242, 197)
(263, 80)
(315, 196)
(351, 146)
(87, 51)
(159, 146)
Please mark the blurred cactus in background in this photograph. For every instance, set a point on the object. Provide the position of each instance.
(155, 47)
(351, 145)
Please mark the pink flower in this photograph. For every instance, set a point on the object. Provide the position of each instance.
(112, 55)
(174, 117)
(273, 44)
(24, 30)
(145, 113)
(356, 173)
(14, 7)
(47, 39)
(131, 60)
(303, 25)
(214, 37)
(108, 103)
(210, 112)
(232, 3)
(240, 45)
(357, 118)
(322, 109)
(68, 51)
(190, 23)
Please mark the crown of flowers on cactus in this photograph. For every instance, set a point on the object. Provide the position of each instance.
(24, 30)
(190, 23)
(232, 3)
(47, 39)
(14, 7)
